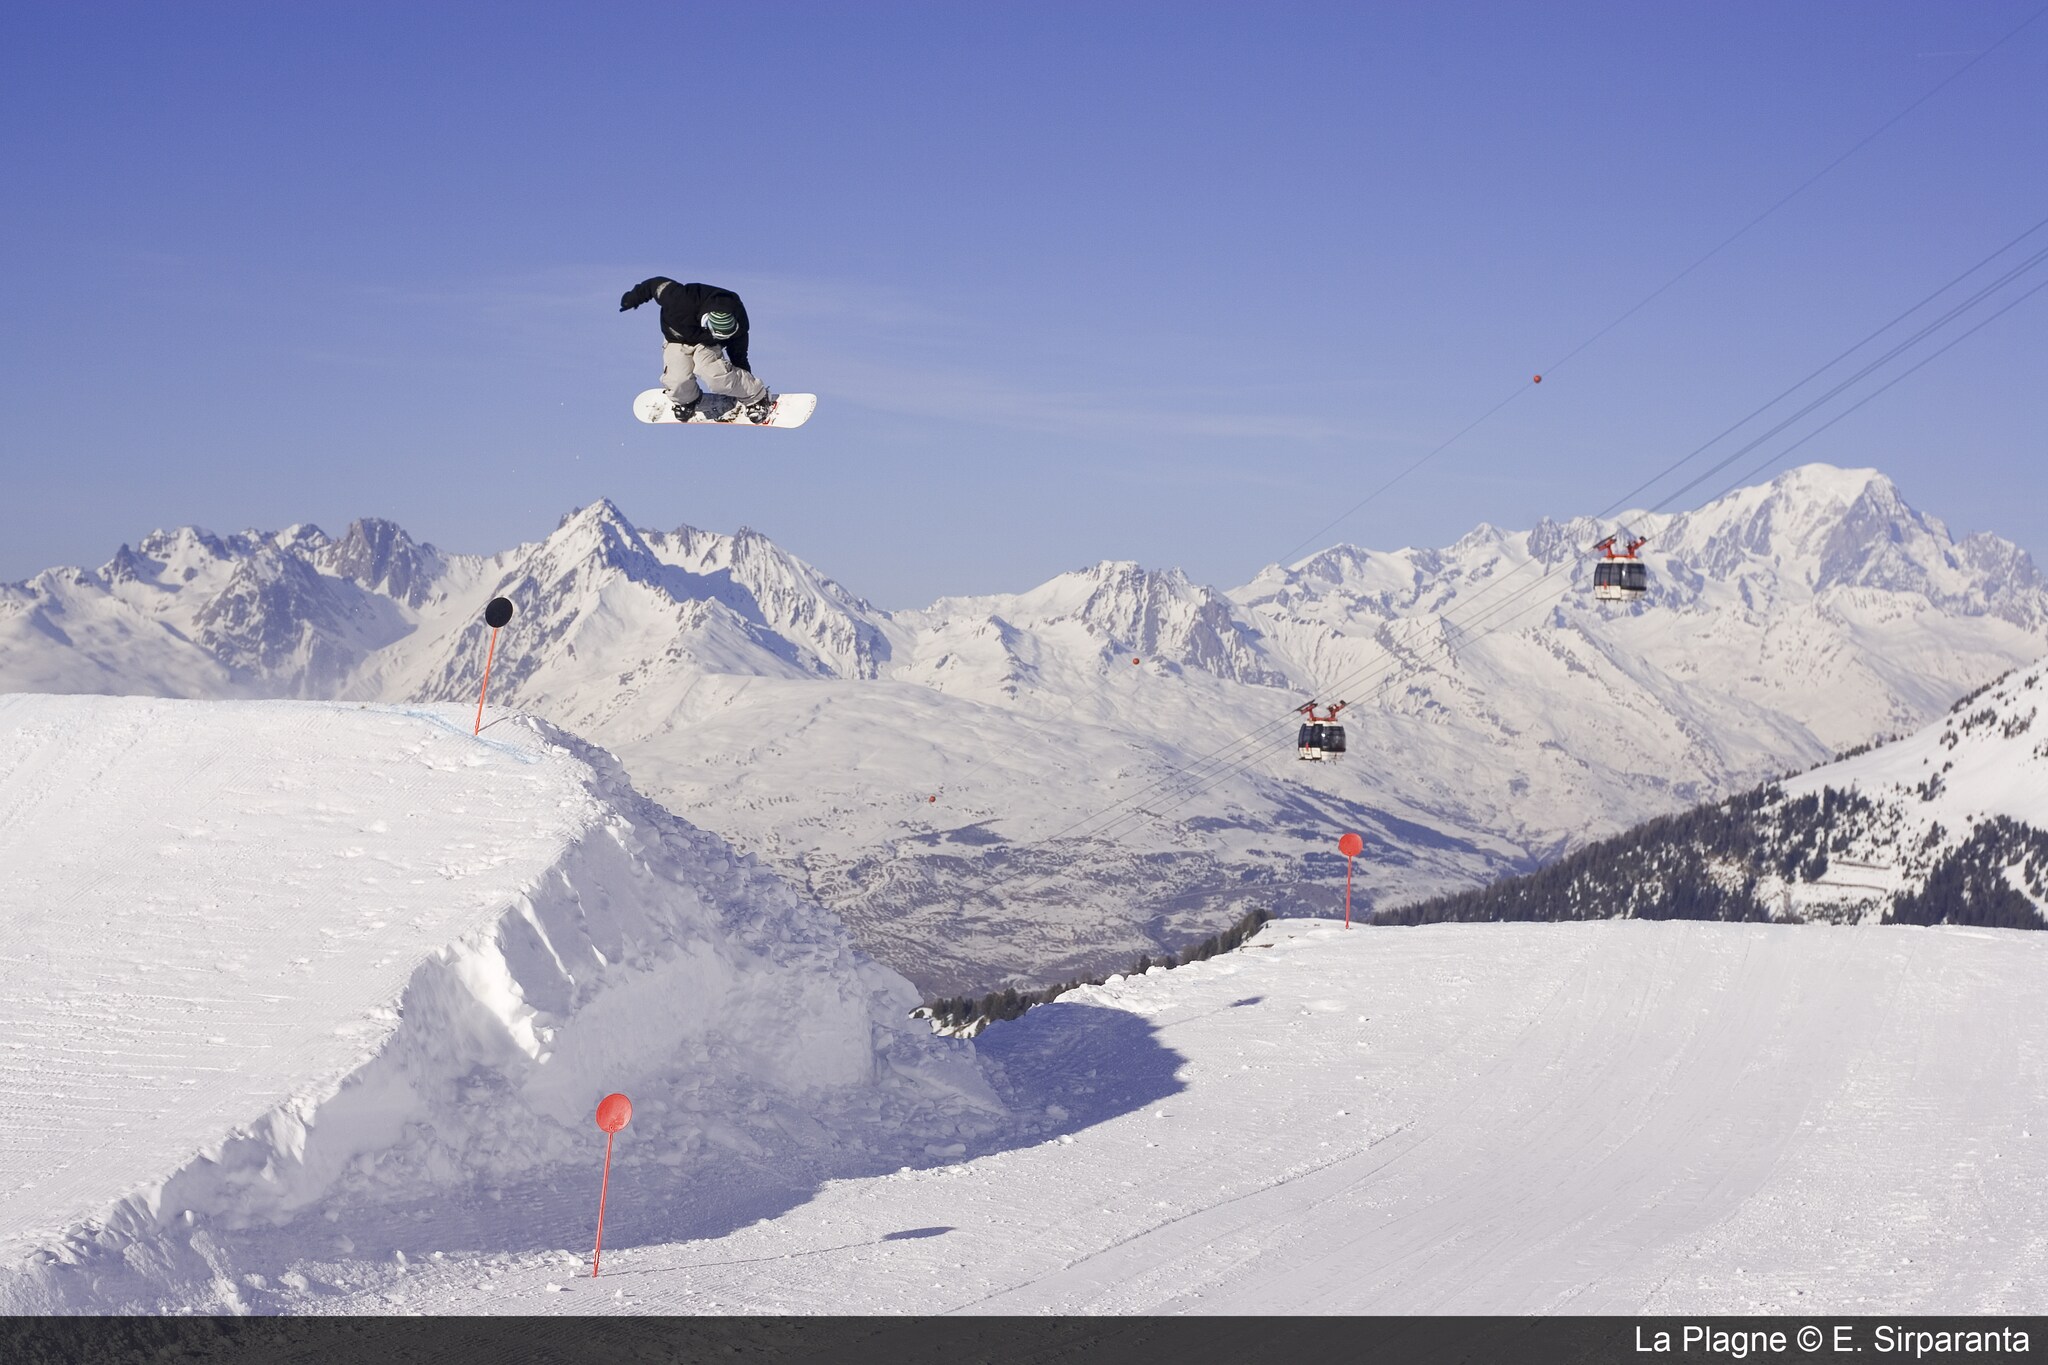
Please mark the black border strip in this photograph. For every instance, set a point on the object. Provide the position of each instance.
(1018, 1341)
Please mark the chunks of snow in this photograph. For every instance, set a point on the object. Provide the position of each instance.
(261, 959)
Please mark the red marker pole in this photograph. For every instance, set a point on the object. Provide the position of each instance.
(1350, 846)
(496, 614)
(613, 1113)
(489, 654)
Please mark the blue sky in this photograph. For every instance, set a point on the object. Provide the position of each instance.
(1174, 283)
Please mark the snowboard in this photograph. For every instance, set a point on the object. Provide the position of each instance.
(790, 410)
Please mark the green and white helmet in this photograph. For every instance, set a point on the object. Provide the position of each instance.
(720, 325)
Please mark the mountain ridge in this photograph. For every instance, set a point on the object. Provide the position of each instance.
(1016, 788)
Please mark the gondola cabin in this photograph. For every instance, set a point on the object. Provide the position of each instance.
(1620, 576)
(1317, 743)
(1321, 738)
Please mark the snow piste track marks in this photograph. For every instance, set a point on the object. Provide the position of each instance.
(165, 958)
(1886, 1219)
(1602, 1136)
(1648, 1103)
(1611, 1116)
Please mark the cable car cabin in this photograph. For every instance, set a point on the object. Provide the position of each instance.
(1620, 576)
(1319, 743)
(1618, 580)
(1321, 738)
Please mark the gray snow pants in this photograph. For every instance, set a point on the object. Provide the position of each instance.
(683, 367)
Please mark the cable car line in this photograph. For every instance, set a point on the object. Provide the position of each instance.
(1779, 455)
(1802, 187)
(1621, 502)
(1181, 786)
(1758, 411)
(1925, 331)
(1505, 605)
(1755, 470)
(1352, 681)
(1661, 289)
(1390, 668)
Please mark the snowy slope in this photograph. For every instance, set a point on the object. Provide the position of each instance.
(1611, 1117)
(1985, 757)
(307, 1006)
(1948, 825)
(274, 970)
(1938, 794)
(1091, 808)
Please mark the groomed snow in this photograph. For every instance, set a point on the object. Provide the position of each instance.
(1596, 1117)
(275, 974)
(307, 1007)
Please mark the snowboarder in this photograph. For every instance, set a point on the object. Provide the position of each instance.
(704, 331)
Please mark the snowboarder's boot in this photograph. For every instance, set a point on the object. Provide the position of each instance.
(687, 412)
(759, 410)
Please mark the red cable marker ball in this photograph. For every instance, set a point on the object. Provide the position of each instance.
(614, 1112)
(1134, 661)
(1537, 380)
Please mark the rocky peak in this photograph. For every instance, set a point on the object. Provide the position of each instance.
(1818, 528)
(380, 556)
(1557, 542)
(129, 567)
(300, 538)
(794, 598)
(261, 617)
(1161, 614)
(600, 536)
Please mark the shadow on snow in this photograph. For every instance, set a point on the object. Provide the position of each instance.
(1058, 1070)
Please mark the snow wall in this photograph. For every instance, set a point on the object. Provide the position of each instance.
(271, 965)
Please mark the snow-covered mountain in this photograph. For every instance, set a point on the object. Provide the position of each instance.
(1948, 825)
(1111, 752)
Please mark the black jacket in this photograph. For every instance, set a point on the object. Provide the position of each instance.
(682, 305)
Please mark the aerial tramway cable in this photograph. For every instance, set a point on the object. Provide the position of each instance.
(1620, 503)
(1625, 499)
(1503, 610)
(1637, 307)
(1663, 288)
(1189, 781)
(1351, 682)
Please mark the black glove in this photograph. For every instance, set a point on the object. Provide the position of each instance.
(636, 296)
